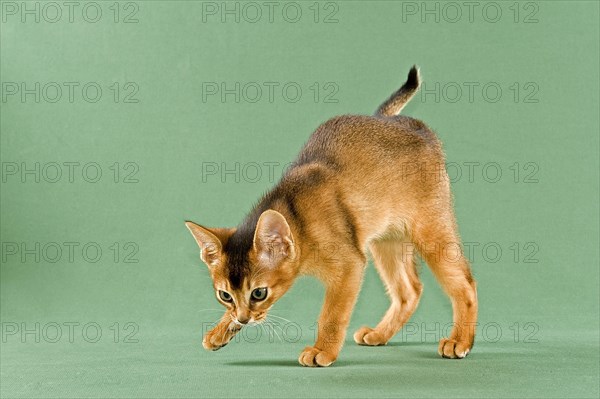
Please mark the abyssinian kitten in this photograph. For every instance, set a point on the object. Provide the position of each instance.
(349, 186)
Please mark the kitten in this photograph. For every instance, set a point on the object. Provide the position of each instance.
(357, 184)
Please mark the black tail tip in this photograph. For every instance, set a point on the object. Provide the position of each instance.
(413, 78)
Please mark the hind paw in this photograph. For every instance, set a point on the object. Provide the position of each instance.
(369, 336)
(452, 349)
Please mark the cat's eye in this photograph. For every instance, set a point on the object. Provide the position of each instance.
(225, 296)
(259, 294)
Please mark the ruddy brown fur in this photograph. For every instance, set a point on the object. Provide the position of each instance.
(361, 183)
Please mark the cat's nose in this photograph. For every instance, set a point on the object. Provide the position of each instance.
(243, 316)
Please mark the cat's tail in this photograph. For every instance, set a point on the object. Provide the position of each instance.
(398, 100)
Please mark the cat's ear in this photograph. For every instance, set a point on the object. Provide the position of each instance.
(210, 241)
(273, 240)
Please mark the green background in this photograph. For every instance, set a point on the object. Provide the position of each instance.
(539, 302)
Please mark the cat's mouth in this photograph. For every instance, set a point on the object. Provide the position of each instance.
(237, 325)
(252, 322)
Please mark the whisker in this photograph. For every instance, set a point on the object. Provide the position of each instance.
(266, 331)
(279, 317)
(275, 331)
(271, 331)
(276, 326)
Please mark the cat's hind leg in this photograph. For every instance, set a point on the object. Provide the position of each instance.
(395, 262)
(438, 243)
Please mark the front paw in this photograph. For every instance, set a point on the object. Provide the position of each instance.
(218, 337)
(314, 357)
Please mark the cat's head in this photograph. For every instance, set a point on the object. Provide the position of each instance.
(251, 266)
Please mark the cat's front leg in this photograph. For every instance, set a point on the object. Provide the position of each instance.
(221, 334)
(340, 298)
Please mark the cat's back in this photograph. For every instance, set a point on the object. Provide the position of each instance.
(367, 139)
